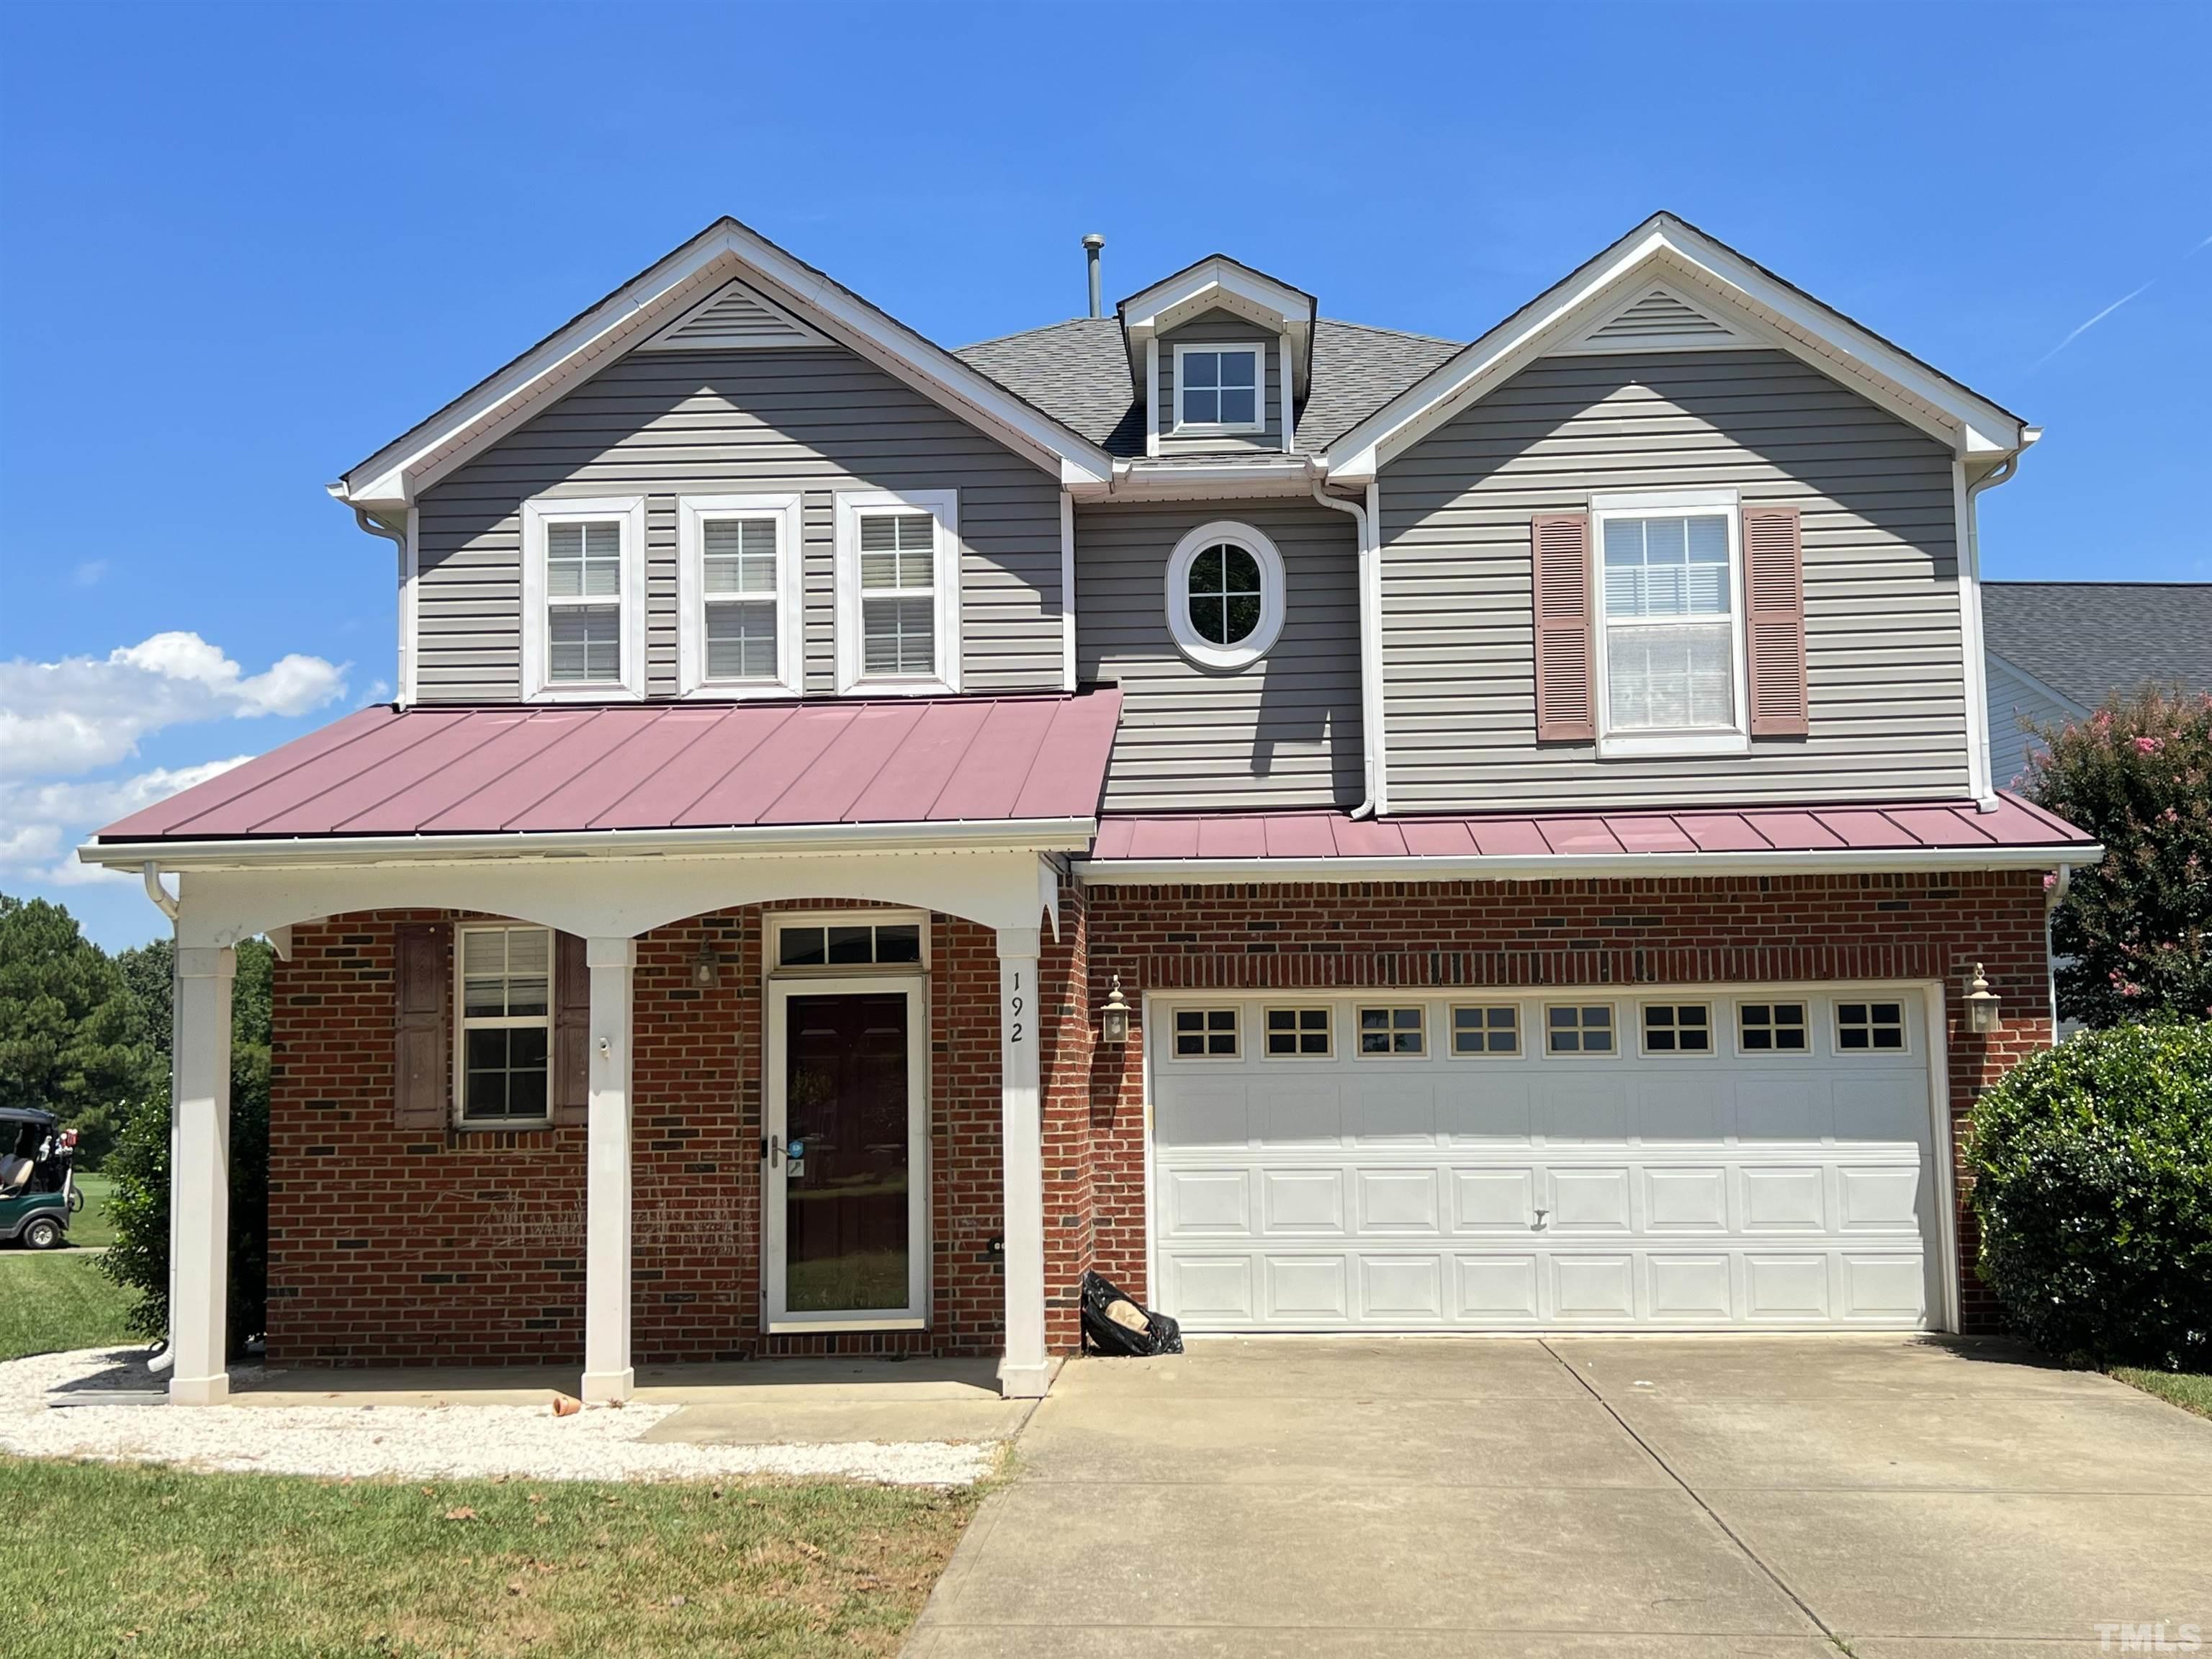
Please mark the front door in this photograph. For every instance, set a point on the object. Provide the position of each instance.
(845, 1234)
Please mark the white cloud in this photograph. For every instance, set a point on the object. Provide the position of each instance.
(42, 823)
(61, 719)
(91, 573)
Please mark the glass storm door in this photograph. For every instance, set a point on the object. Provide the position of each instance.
(845, 1232)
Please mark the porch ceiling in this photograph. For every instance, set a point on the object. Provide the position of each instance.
(569, 770)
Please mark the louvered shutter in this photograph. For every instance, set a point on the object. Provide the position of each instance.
(1565, 703)
(421, 1076)
(1774, 620)
(572, 1026)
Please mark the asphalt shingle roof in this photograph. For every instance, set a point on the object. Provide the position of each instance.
(2086, 640)
(1078, 372)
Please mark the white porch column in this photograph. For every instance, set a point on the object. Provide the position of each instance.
(607, 1371)
(1025, 1371)
(199, 1175)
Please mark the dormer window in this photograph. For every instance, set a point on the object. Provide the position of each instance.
(1218, 388)
(898, 592)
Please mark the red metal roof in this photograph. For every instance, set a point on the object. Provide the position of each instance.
(487, 771)
(1949, 826)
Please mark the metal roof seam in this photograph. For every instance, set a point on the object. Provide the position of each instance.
(245, 789)
(608, 808)
(929, 810)
(398, 790)
(531, 717)
(743, 756)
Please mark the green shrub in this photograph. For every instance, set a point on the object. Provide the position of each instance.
(2093, 1182)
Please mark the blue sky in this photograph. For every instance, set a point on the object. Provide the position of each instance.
(242, 247)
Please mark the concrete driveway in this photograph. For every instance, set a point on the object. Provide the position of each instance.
(1657, 1497)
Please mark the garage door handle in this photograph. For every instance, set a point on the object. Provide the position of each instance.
(1540, 1214)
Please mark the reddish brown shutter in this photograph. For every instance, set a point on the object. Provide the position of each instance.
(571, 1081)
(422, 958)
(1566, 711)
(1774, 620)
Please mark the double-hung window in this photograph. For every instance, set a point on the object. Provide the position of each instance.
(583, 599)
(1670, 633)
(506, 995)
(738, 630)
(1218, 388)
(898, 592)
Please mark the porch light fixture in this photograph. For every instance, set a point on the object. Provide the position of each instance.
(1114, 1027)
(1981, 1005)
(706, 968)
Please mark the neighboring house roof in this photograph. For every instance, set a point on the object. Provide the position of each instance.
(1077, 371)
(434, 772)
(1335, 846)
(2087, 639)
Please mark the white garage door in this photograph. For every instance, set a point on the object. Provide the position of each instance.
(1666, 1159)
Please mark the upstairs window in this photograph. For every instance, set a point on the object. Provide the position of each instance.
(898, 589)
(583, 608)
(1218, 388)
(1224, 595)
(738, 631)
(1670, 636)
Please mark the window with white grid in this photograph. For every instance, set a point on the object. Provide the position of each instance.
(1668, 614)
(582, 603)
(738, 566)
(506, 995)
(898, 575)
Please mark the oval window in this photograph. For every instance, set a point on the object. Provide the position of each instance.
(1224, 597)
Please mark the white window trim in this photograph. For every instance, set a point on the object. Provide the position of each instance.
(1762, 1056)
(1836, 1023)
(1734, 739)
(1183, 428)
(536, 515)
(1712, 1049)
(464, 1024)
(1451, 1049)
(692, 514)
(1360, 1051)
(1544, 1049)
(1256, 644)
(944, 506)
(1296, 1055)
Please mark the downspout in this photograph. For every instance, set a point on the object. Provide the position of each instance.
(399, 539)
(169, 907)
(2052, 901)
(1371, 649)
(1970, 591)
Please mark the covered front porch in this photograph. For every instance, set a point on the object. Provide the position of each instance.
(690, 1074)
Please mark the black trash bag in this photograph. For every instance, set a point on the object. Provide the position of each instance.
(1103, 1334)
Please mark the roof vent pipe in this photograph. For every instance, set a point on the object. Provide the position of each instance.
(1091, 245)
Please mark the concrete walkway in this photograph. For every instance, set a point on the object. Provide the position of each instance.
(1663, 1497)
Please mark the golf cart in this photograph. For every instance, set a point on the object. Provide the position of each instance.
(37, 1194)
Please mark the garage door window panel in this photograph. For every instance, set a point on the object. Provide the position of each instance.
(1677, 1028)
(1399, 1031)
(1491, 1029)
(1579, 1028)
(1298, 1033)
(1205, 1034)
(1870, 1027)
(1769, 1028)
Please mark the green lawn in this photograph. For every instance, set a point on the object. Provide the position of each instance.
(145, 1561)
(51, 1300)
(90, 1225)
(2191, 1390)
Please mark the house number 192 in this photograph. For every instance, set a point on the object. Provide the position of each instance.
(1016, 1005)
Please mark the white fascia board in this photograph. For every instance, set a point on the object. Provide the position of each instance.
(1823, 337)
(390, 478)
(997, 835)
(1219, 281)
(1279, 474)
(1217, 873)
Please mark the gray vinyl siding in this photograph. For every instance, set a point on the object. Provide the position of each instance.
(1281, 732)
(2014, 703)
(1221, 325)
(1886, 676)
(665, 424)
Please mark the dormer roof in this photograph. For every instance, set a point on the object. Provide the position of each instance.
(1218, 282)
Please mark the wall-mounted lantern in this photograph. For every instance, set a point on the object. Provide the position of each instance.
(1113, 1025)
(1981, 1005)
(706, 967)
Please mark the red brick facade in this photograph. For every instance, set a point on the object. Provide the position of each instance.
(388, 1246)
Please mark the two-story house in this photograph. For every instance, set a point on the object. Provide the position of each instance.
(1337, 829)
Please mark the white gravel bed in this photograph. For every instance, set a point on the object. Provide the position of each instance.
(423, 1441)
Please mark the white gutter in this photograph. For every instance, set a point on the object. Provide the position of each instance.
(953, 836)
(1214, 872)
(1371, 651)
(152, 874)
